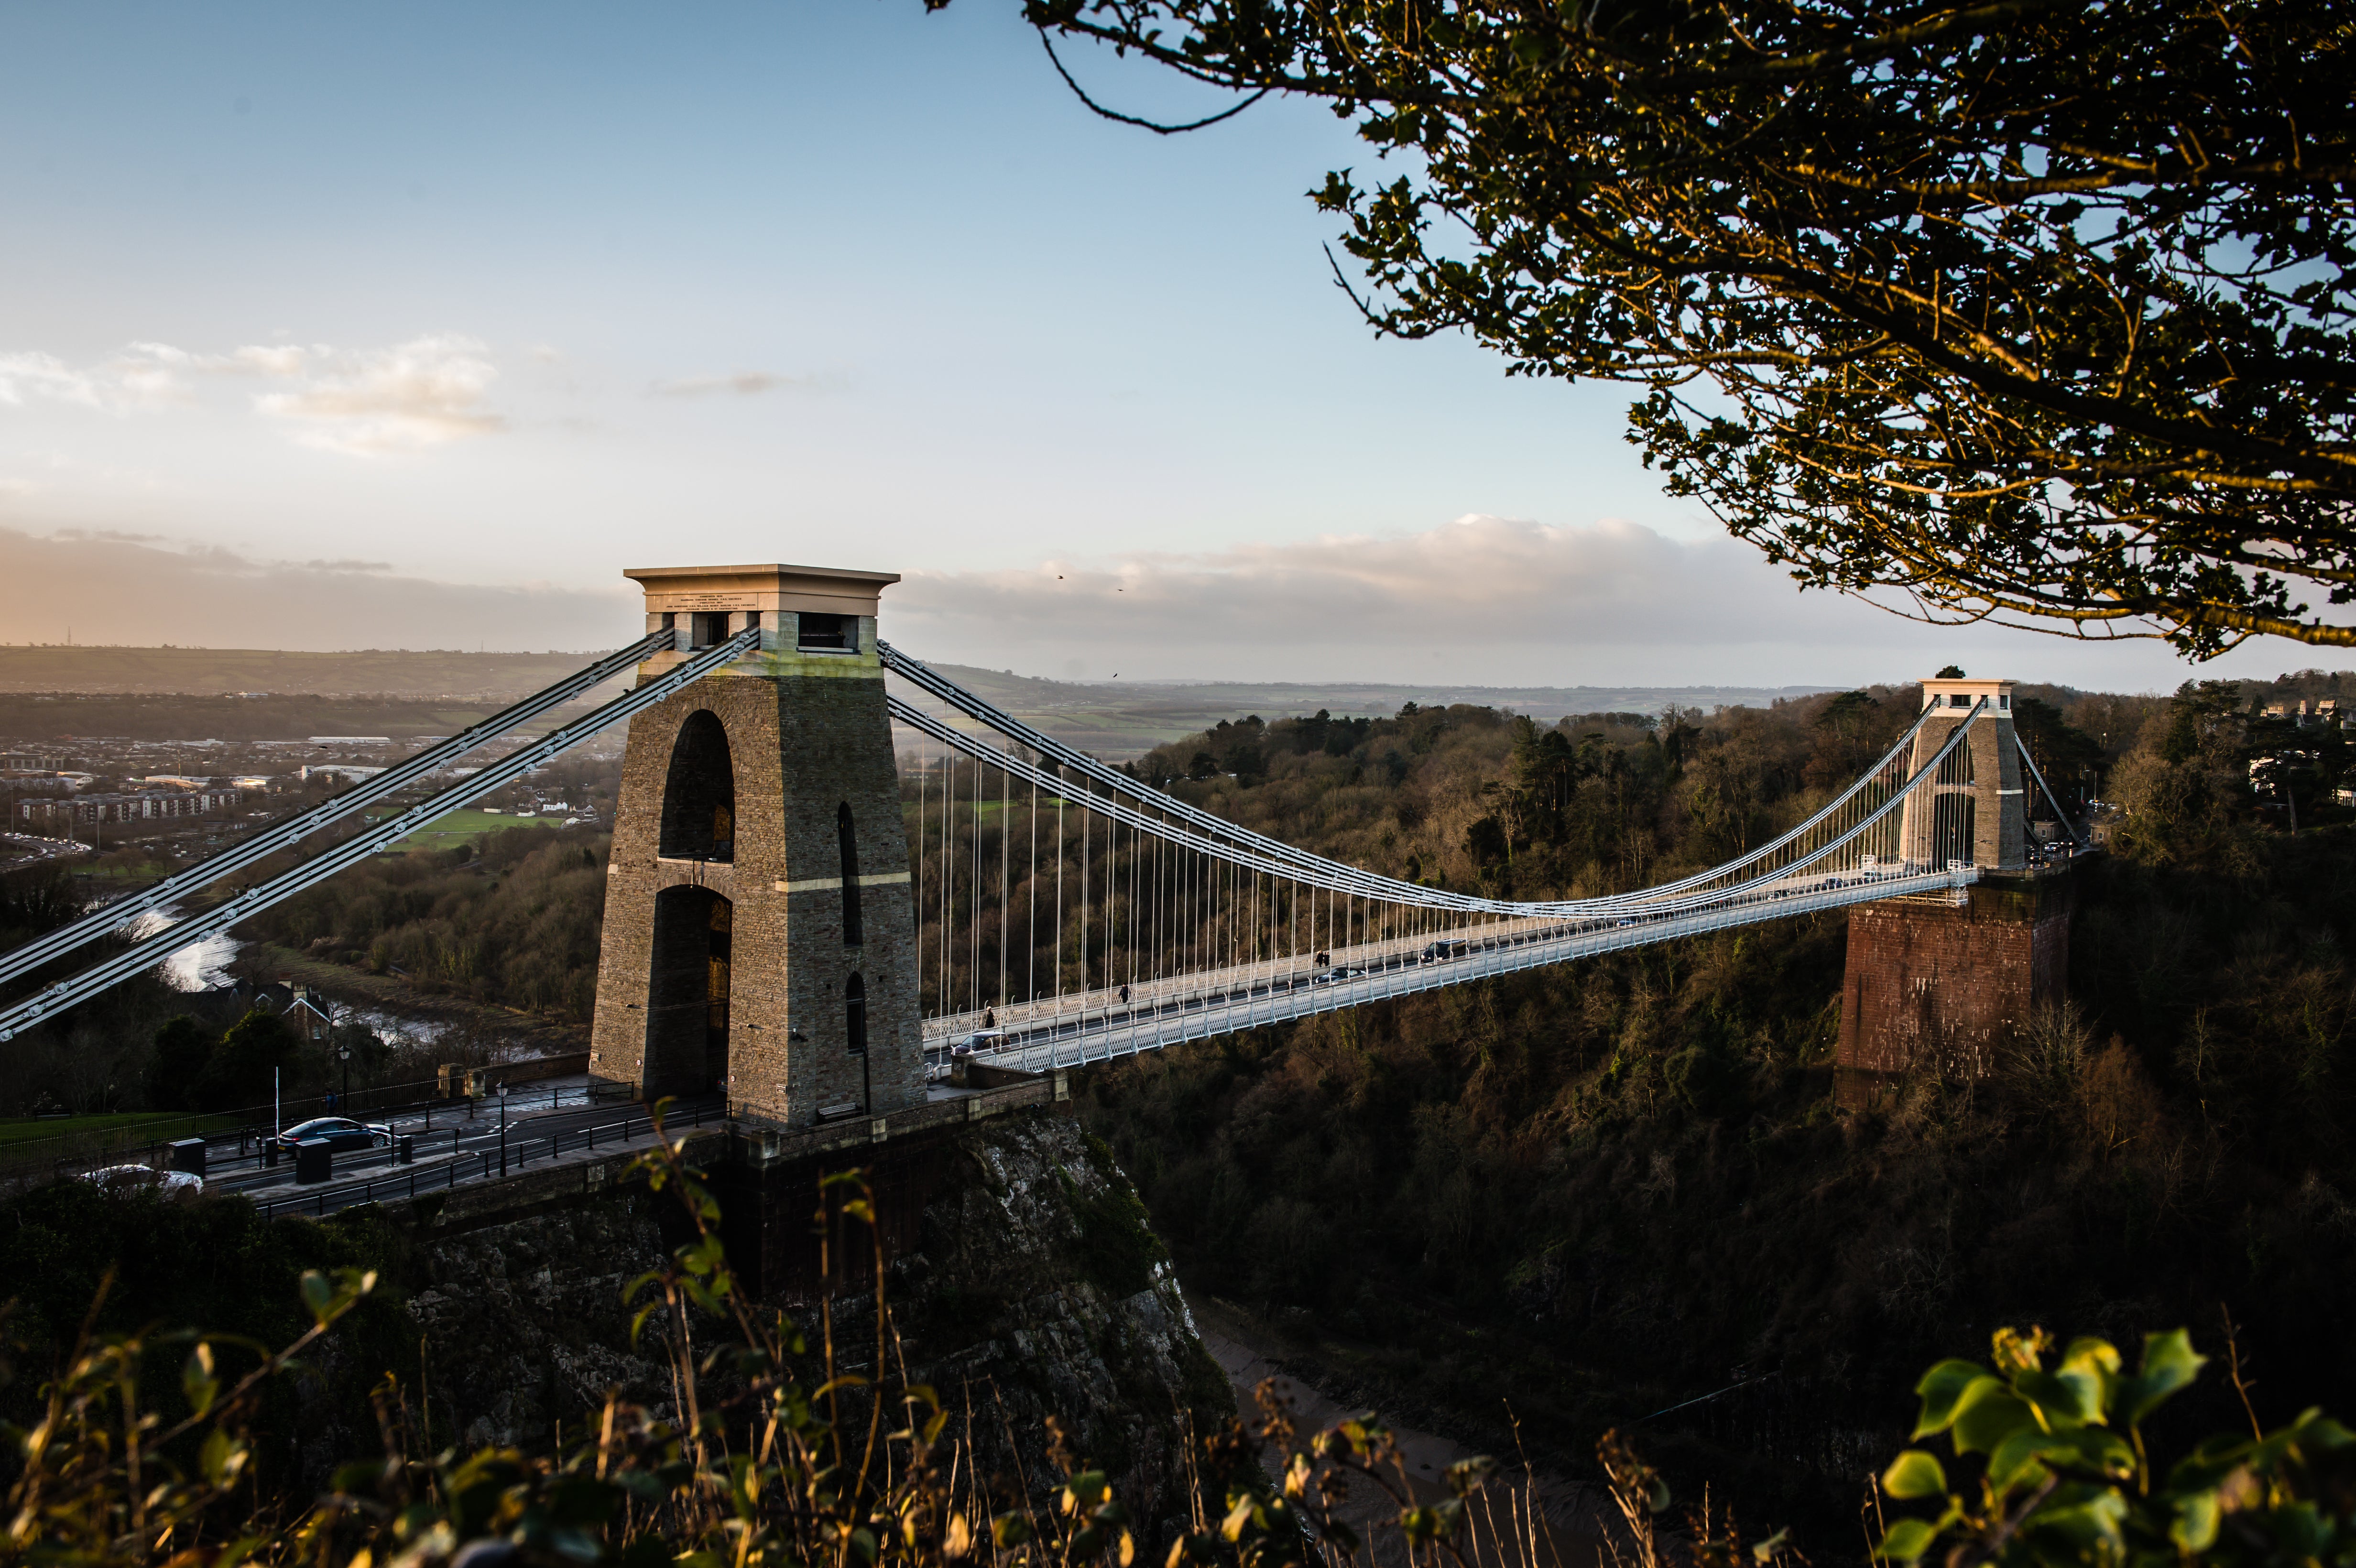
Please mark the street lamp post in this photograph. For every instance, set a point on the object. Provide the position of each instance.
(503, 1129)
(343, 1055)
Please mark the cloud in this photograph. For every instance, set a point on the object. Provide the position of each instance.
(1482, 599)
(205, 596)
(422, 393)
(139, 376)
(1478, 581)
(746, 384)
(368, 402)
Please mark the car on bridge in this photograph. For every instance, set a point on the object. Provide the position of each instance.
(128, 1178)
(979, 1039)
(339, 1133)
(1438, 952)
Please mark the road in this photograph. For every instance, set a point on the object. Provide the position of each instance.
(444, 1135)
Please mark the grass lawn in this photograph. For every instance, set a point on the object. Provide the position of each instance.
(24, 1129)
(463, 827)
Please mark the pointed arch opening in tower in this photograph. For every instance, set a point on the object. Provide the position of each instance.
(698, 811)
(687, 1002)
(848, 839)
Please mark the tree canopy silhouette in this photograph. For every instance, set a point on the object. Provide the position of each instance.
(2023, 311)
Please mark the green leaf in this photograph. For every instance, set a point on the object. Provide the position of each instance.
(2194, 1529)
(2073, 1398)
(1914, 1473)
(2090, 1527)
(1907, 1539)
(221, 1457)
(1988, 1412)
(2169, 1365)
(2020, 1459)
(1010, 1530)
(1941, 1388)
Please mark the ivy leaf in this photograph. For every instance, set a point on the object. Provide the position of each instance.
(1907, 1539)
(1988, 1412)
(2169, 1365)
(1942, 1389)
(2194, 1529)
(1914, 1473)
(2072, 1398)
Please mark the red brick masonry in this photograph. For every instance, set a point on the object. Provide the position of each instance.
(1938, 987)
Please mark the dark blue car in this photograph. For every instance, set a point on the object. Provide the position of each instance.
(339, 1133)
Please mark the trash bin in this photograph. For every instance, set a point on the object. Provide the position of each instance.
(404, 1150)
(315, 1160)
(188, 1154)
(270, 1151)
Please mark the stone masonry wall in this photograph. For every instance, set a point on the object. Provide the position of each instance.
(1939, 989)
(802, 745)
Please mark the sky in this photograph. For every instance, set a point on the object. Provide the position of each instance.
(379, 327)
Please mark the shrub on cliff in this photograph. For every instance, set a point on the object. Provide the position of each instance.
(771, 1451)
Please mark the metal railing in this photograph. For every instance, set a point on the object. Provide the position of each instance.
(1221, 1007)
(326, 1199)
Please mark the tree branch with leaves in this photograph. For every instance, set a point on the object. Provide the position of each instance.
(2022, 311)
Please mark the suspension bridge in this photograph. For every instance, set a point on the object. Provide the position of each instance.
(837, 876)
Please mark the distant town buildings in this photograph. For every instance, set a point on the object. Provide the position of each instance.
(58, 813)
(2323, 710)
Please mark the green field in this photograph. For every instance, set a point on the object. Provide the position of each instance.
(26, 1129)
(464, 828)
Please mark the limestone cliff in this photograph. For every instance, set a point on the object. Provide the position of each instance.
(1038, 1289)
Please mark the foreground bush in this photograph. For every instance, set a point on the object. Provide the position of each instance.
(752, 1464)
(2065, 1475)
(756, 1463)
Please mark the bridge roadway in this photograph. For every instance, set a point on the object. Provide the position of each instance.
(454, 1150)
(1097, 1026)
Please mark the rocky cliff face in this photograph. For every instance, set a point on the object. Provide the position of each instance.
(1041, 1291)
(523, 1321)
(1038, 1290)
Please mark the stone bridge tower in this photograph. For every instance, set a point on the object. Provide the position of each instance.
(760, 933)
(1975, 811)
(1941, 983)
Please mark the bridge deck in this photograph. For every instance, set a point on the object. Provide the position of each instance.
(1097, 1026)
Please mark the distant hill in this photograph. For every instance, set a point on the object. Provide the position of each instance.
(185, 716)
(256, 693)
(442, 674)
(1123, 719)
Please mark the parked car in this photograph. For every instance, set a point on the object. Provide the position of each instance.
(339, 1133)
(142, 1178)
